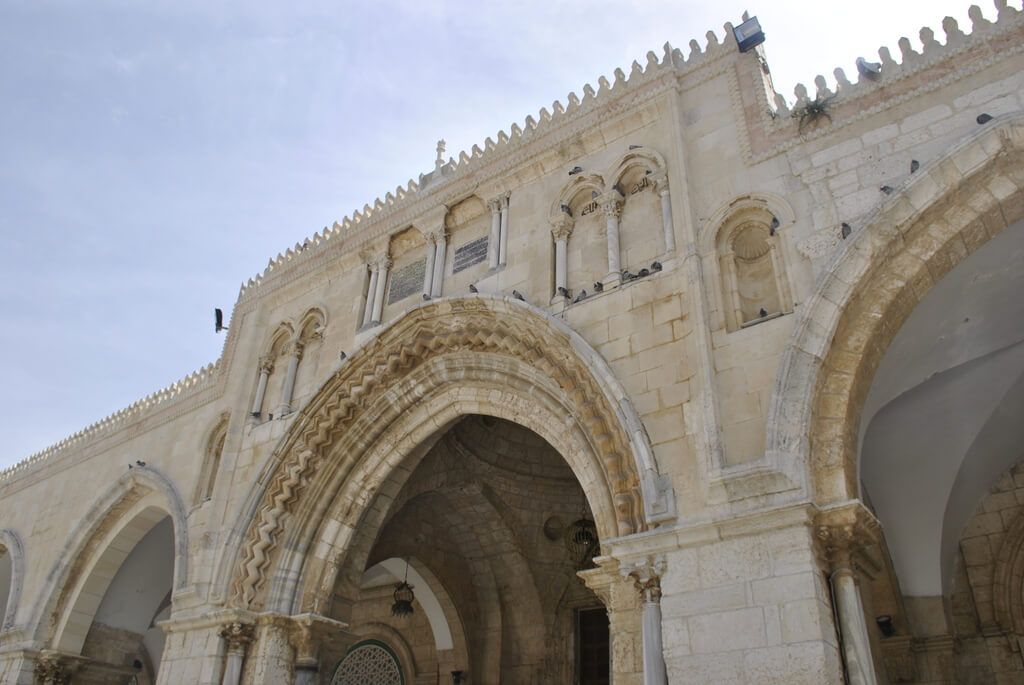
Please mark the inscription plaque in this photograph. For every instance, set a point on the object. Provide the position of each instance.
(473, 252)
(407, 281)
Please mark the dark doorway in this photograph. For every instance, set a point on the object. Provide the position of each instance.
(594, 662)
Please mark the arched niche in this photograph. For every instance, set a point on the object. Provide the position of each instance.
(213, 449)
(579, 210)
(943, 214)
(12, 577)
(750, 264)
(310, 337)
(640, 177)
(272, 367)
(443, 360)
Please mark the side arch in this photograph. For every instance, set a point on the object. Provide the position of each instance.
(12, 546)
(400, 369)
(941, 215)
(1008, 580)
(136, 502)
(648, 159)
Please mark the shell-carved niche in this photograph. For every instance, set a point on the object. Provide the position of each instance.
(754, 283)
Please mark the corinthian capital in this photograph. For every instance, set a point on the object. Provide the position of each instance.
(611, 203)
(237, 635)
(561, 228)
(646, 575)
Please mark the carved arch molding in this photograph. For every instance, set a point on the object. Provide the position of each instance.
(482, 324)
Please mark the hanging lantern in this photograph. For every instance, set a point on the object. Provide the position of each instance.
(403, 600)
(582, 543)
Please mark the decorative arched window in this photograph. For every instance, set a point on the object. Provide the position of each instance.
(754, 284)
(579, 236)
(271, 372)
(310, 339)
(646, 232)
(369, 663)
(211, 461)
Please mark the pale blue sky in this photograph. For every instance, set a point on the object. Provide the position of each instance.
(154, 155)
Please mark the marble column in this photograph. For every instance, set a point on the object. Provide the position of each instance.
(841, 543)
(668, 228)
(383, 264)
(503, 230)
(371, 292)
(494, 240)
(273, 656)
(428, 272)
(441, 246)
(560, 231)
(237, 637)
(266, 368)
(646, 575)
(288, 389)
(611, 204)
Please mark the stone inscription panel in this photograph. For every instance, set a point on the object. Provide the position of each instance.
(407, 281)
(473, 252)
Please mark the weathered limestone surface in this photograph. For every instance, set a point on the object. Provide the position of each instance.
(691, 322)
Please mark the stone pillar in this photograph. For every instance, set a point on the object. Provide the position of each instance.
(308, 634)
(647, 576)
(668, 228)
(266, 368)
(611, 204)
(428, 272)
(237, 637)
(503, 229)
(273, 656)
(842, 539)
(294, 357)
(383, 264)
(619, 596)
(371, 292)
(17, 667)
(561, 231)
(441, 245)
(494, 240)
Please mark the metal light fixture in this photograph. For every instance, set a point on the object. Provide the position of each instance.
(749, 34)
(403, 597)
(582, 542)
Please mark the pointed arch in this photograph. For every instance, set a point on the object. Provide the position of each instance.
(941, 215)
(118, 519)
(593, 183)
(12, 546)
(213, 449)
(440, 361)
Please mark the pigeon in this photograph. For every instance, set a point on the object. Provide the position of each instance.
(563, 291)
(575, 170)
(635, 147)
(582, 296)
(869, 69)
(886, 189)
(914, 165)
(984, 118)
(845, 230)
(598, 286)
(139, 463)
(343, 356)
(762, 312)
(472, 288)
(426, 297)
(656, 266)
(518, 295)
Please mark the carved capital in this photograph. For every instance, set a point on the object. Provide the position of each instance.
(237, 635)
(660, 183)
(383, 262)
(504, 199)
(561, 228)
(494, 204)
(844, 534)
(646, 575)
(307, 633)
(56, 668)
(611, 203)
(294, 349)
(266, 365)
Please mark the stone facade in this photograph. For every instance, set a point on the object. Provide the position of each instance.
(615, 359)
